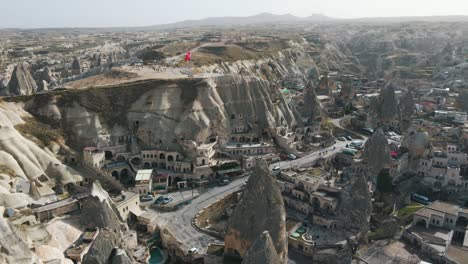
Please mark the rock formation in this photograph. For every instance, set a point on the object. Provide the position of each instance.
(376, 151)
(21, 82)
(260, 209)
(388, 107)
(98, 62)
(417, 142)
(121, 257)
(43, 78)
(311, 109)
(347, 89)
(407, 110)
(3, 82)
(355, 205)
(13, 249)
(326, 85)
(102, 247)
(22, 159)
(99, 211)
(262, 251)
(76, 67)
(192, 109)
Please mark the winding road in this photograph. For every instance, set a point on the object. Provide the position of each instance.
(180, 222)
(310, 158)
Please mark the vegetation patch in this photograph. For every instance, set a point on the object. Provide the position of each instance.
(39, 132)
(217, 54)
(225, 166)
(410, 209)
(6, 170)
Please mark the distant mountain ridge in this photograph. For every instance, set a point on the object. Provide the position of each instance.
(268, 18)
(262, 18)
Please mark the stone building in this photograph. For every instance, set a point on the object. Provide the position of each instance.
(93, 157)
(444, 168)
(436, 228)
(143, 182)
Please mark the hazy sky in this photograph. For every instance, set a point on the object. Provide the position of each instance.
(107, 13)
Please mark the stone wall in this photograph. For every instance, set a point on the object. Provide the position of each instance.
(215, 212)
(425, 248)
(49, 214)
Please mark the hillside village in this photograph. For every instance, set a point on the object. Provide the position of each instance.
(301, 143)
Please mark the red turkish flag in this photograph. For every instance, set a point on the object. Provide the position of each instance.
(188, 56)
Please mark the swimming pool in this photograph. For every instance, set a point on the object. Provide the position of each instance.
(156, 256)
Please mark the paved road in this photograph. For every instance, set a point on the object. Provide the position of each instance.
(311, 157)
(180, 221)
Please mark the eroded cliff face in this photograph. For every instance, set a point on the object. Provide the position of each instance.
(25, 159)
(292, 60)
(13, 247)
(164, 113)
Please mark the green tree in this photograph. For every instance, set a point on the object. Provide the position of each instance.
(384, 181)
(463, 100)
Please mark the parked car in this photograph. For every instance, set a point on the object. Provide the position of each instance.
(275, 171)
(167, 200)
(341, 138)
(292, 156)
(146, 198)
(163, 200)
(193, 250)
(349, 138)
(224, 182)
(367, 131)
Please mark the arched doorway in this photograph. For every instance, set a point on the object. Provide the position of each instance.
(162, 156)
(120, 158)
(108, 154)
(170, 158)
(177, 179)
(147, 165)
(421, 222)
(154, 165)
(125, 177)
(315, 204)
(115, 175)
(136, 161)
(328, 207)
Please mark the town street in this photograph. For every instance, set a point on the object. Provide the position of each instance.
(311, 157)
(180, 222)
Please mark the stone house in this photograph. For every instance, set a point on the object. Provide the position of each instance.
(93, 157)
